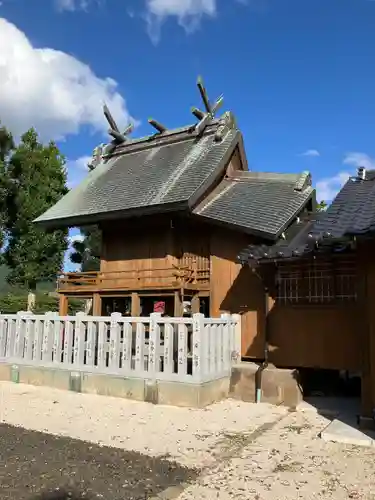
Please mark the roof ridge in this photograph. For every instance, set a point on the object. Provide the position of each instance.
(302, 179)
(215, 194)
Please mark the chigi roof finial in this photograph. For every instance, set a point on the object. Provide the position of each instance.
(205, 117)
(114, 131)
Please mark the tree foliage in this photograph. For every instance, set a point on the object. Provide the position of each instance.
(87, 252)
(12, 303)
(321, 206)
(6, 147)
(32, 179)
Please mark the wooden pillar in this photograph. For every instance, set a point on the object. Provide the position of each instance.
(135, 305)
(195, 304)
(63, 305)
(366, 326)
(96, 304)
(177, 304)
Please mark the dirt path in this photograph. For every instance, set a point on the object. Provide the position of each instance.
(230, 450)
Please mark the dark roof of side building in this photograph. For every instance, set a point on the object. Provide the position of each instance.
(352, 213)
(180, 170)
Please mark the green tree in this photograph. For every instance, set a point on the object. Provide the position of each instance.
(321, 206)
(35, 179)
(6, 147)
(87, 252)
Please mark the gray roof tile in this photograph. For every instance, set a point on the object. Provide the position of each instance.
(144, 175)
(261, 204)
(352, 213)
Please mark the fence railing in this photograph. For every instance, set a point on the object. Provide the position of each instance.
(195, 349)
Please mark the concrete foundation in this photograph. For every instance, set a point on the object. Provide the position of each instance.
(156, 392)
(279, 386)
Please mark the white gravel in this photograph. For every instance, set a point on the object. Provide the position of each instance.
(246, 451)
(186, 435)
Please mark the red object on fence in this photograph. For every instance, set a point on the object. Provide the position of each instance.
(159, 307)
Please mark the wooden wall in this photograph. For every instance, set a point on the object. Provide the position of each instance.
(236, 289)
(152, 248)
(127, 247)
(366, 326)
(315, 336)
(300, 336)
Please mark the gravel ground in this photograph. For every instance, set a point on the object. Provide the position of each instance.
(242, 451)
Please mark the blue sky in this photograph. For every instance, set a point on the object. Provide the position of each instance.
(298, 74)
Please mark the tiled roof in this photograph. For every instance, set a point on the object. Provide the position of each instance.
(158, 173)
(352, 213)
(258, 203)
(174, 171)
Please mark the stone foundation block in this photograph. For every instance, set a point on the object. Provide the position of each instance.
(110, 385)
(192, 395)
(279, 386)
(50, 377)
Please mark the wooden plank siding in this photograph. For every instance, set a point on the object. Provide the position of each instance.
(235, 289)
(152, 254)
(314, 335)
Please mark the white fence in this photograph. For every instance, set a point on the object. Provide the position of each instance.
(195, 349)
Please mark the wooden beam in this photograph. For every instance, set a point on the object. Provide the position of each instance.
(195, 304)
(96, 304)
(157, 125)
(177, 304)
(63, 305)
(135, 305)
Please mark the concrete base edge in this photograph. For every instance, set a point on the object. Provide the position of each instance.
(279, 386)
(366, 423)
(156, 392)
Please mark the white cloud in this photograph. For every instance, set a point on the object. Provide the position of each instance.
(311, 152)
(328, 188)
(188, 13)
(77, 170)
(51, 90)
(75, 237)
(359, 160)
(72, 5)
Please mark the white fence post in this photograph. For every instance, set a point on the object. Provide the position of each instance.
(182, 350)
(68, 343)
(127, 347)
(140, 349)
(198, 347)
(47, 338)
(3, 336)
(79, 340)
(227, 341)
(90, 342)
(154, 344)
(237, 348)
(114, 350)
(168, 348)
(102, 341)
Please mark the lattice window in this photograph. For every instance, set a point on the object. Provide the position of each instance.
(317, 281)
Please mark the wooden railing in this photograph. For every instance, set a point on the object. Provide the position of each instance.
(196, 349)
(172, 277)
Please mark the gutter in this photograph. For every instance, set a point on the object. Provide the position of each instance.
(264, 364)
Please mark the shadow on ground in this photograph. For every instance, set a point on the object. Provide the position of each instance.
(34, 464)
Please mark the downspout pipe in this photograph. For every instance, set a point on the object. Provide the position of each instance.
(264, 364)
